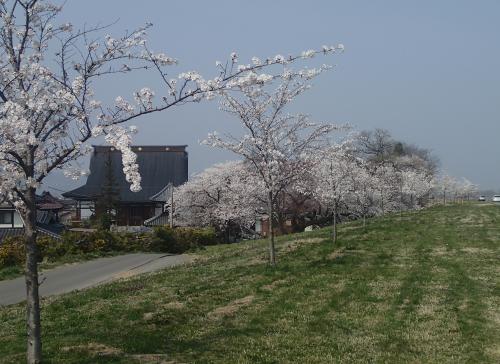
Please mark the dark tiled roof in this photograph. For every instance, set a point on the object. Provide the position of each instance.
(50, 206)
(53, 231)
(46, 201)
(56, 228)
(158, 166)
(5, 233)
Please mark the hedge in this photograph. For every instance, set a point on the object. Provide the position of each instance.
(161, 240)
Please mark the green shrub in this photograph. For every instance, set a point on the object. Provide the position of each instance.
(12, 252)
(163, 239)
(205, 236)
(51, 249)
(75, 243)
(180, 240)
(102, 241)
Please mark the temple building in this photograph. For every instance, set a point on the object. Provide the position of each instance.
(159, 167)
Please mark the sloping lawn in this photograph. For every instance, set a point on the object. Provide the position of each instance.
(421, 288)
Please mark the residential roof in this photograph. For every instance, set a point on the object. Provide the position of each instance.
(52, 231)
(46, 201)
(159, 165)
(5, 233)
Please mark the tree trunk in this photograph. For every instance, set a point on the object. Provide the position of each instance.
(334, 230)
(272, 250)
(33, 325)
(401, 201)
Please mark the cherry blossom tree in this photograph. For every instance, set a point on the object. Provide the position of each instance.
(446, 186)
(225, 195)
(277, 144)
(333, 183)
(465, 188)
(470, 188)
(364, 184)
(416, 184)
(415, 176)
(387, 193)
(49, 110)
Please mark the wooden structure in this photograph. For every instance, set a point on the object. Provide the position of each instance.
(158, 166)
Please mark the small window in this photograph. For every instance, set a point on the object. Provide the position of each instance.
(6, 217)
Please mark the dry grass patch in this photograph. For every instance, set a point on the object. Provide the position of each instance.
(152, 359)
(469, 219)
(94, 349)
(428, 305)
(440, 251)
(336, 254)
(174, 305)
(231, 308)
(383, 288)
(296, 244)
(275, 284)
(493, 313)
(337, 286)
(475, 250)
(349, 227)
(255, 261)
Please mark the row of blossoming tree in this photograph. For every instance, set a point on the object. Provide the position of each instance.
(232, 193)
(451, 189)
(356, 176)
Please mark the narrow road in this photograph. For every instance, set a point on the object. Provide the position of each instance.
(88, 274)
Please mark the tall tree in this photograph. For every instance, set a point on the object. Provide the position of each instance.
(106, 206)
(446, 185)
(377, 145)
(364, 184)
(49, 111)
(277, 144)
(333, 181)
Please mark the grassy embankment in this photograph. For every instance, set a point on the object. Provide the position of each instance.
(422, 287)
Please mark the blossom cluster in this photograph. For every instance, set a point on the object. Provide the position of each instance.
(121, 139)
(214, 197)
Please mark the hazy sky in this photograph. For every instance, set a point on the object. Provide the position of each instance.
(428, 71)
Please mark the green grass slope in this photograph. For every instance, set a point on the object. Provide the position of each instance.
(419, 288)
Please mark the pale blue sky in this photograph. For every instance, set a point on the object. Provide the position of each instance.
(428, 71)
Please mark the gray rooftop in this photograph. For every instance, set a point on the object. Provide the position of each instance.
(158, 166)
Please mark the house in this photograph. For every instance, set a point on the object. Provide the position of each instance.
(11, 223)
(262, 226)
(48, 210)
(159, 166)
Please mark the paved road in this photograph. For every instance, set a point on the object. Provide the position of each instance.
(82, 275)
